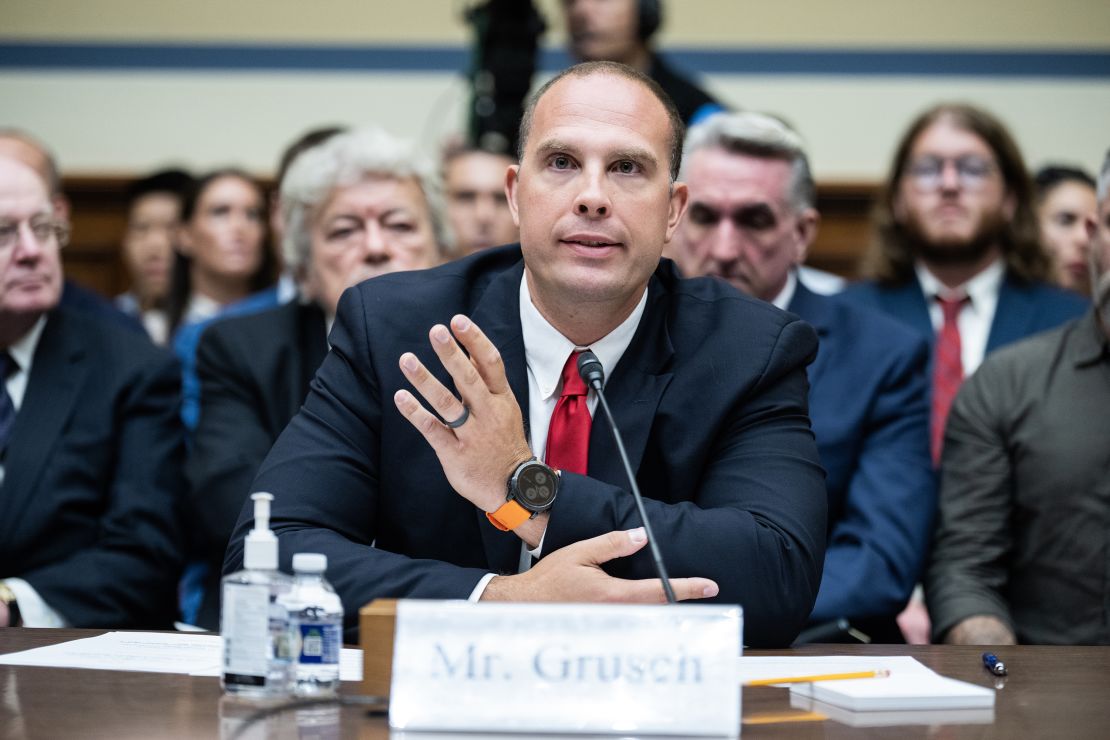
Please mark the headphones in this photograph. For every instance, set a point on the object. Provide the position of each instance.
(651, 17)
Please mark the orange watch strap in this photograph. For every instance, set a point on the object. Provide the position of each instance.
(509, 516)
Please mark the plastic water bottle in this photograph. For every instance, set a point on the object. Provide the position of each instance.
(315, 627)
(253, 621)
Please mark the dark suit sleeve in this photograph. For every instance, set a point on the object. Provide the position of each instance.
(756, 524)
(126, 575)
(967, 573)
(230, 442)
(329, 455)
(878, 544)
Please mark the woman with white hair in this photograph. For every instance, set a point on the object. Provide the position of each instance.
(358, 205)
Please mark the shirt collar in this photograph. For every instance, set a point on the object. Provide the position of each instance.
(546, 350)
(23, 349)
(199, 308)
(782, 300)
(981, 289)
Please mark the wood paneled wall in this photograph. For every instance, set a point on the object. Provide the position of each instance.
(99, 216)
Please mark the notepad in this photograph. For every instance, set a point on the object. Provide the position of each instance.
(899, 691)
(894, 717)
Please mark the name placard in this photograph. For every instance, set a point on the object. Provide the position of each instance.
(566, 668)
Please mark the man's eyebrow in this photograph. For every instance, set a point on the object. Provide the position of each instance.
(636, 154)
(554, 145)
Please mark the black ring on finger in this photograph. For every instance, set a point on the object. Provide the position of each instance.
(461, 420)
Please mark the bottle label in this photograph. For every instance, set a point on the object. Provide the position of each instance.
(246, 632)
(320, 643)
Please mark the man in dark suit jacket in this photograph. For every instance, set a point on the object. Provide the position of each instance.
(90, 445)
(750, 222)
(709, 392)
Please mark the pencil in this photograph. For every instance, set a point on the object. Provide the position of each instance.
(882, 673)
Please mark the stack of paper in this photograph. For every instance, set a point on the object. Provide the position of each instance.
(910, 685)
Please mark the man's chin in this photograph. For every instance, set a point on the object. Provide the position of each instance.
(954, 251)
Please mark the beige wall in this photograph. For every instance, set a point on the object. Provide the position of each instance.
(127, 122)
(980, 23)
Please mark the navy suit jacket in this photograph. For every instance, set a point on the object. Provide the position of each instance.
(710, 396)
(254, 373)
(1024, 307)
(869, 404)
(90, 504)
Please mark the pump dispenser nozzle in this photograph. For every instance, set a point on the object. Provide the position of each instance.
(261, 549)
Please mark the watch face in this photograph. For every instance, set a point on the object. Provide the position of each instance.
(535, 486)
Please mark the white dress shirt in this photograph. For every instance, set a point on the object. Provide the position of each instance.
(782, 300)
(976, 318)
(545, 353)
(34, 611)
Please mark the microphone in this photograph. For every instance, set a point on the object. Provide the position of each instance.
(593, 375)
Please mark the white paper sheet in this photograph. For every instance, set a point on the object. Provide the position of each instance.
(150, 652)
(753, 667)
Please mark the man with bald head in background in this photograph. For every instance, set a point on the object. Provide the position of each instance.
(90, 443)
(405, 464)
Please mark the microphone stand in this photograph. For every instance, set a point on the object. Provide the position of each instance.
(589, 367)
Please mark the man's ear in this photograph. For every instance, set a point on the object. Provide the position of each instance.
(512, 181)
(805, 233)
(679, 201)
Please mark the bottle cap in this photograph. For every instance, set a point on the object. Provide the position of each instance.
(260, 552)
(310, 562)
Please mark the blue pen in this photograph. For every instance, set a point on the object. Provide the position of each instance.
(993, 664)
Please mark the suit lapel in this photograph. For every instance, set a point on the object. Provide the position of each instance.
(497, 313)
(907, 301)
(312, 338)
(1010, 315)
(57, 374)
(807, 305)
(634, 389)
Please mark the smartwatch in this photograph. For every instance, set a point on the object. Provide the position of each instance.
(532, 489)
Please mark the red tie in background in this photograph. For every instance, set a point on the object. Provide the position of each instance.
(948, 370)
(568, 437)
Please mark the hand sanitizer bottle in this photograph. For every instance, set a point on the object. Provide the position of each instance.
(254, 625)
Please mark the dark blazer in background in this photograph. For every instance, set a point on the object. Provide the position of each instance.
(869, 402)
(254, 372)
(1024, 307)
(710, 397)
(90, 504)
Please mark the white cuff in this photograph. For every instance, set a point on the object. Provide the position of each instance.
(476, 594)
(32, 609)
(535, 552)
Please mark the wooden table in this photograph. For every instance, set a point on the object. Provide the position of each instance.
(1051, 692)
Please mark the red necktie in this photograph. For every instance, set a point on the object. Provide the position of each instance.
(568, 437)
(948, 370)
